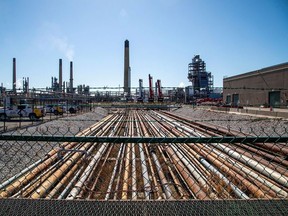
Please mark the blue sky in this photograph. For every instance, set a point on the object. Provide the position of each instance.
(231, 36)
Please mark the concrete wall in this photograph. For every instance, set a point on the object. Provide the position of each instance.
(257, 112)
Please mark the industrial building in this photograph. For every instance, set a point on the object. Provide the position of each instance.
(264, 87)
(202, 81)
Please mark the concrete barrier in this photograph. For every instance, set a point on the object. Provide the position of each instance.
(254, 111)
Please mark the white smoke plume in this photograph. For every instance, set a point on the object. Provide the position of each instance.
(51, 36)
(19, 83)
(62, 45)
(181, 85)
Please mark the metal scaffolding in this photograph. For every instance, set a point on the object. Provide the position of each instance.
(202, 81)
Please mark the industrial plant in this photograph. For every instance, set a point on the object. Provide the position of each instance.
(154, 92)
(128, 149)
(241, 90)
(202, 81)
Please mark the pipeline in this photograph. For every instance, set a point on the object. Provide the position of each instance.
(133, 171)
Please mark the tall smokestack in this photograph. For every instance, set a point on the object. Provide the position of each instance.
(126, 67)
(60, 75)
(141, 89)
(129, 81)
(71, 77)
(14, 76)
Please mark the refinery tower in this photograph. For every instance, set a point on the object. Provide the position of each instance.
(202, 81)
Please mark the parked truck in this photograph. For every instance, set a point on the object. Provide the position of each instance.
(22, 110)
(57, 109)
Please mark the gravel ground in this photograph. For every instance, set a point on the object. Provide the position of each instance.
(254, 125)
(25, 153)
(65, 126)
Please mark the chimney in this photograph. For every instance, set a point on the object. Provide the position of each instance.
(129, 81)
(126, 67)
(27, 85)
(60, 75)
(14, 76)
(71, 77)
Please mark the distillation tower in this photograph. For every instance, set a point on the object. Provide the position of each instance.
(202, 81)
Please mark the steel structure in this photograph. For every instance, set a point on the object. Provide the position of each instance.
(202, 81)
(26, 85)
(151, 91)
(159, 90)
(141, 92)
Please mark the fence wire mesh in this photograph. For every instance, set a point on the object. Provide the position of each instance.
(144, 155)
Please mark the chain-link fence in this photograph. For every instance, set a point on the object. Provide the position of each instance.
(143, 155)
(146, 162)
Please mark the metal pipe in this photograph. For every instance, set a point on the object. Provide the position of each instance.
(22, 172)
(146, 180)
(177, 183)
(187, 176)
(236, 174)
(250, 172)
(254, 164)
(134, 176)
(112, 130)
(65, 179)
(189, 180)
(114, 172)
(74, 192)
(133, 160)
(244, 149)
(162, 177)
(236, 190)
(46, 185)
(121, 164)
(32, 186)
(71, 183)
(126, 171)
(126, 166)
(194, 171)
